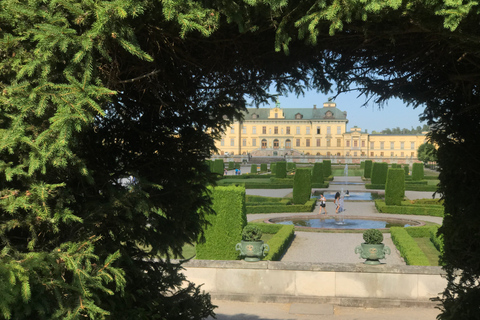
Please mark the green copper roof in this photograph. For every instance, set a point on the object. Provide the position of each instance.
(290, 114)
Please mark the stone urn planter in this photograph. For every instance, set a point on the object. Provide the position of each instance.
(372, 249)
(251, 247)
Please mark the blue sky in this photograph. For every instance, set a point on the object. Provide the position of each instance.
(370, 118)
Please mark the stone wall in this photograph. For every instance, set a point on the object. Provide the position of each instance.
(341, 284)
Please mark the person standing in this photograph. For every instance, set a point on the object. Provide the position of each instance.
(323, 204)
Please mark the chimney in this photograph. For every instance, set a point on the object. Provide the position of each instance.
(314, 106)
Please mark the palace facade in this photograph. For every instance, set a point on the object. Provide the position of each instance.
(311, 131)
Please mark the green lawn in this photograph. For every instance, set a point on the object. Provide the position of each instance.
(429, 249)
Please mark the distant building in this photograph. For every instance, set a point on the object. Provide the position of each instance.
(311, 131)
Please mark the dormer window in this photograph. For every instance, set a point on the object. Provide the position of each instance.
(254, 116)
(298, 116)
(328, 114)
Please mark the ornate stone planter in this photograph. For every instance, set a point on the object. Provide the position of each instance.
(252, 250)
(372, 252)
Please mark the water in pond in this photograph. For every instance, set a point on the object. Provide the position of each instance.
(352, 196)
(341, 223)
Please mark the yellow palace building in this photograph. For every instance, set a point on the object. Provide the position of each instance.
(312, 132)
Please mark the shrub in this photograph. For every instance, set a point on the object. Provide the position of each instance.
(251, 233)
(279, 243)
(281, 207)
(327, 168)
(406, 168)
(362, 165)
(367, 172)
(409, 249)
(373, 236)
(226, 226)
(405, 208)
(317, 173)
(231, 165)
(218, 166)
(253, 168)
(263, 167)
(302, 188)
(379, 173)
(417, 171)
(273, 168)
(290, 166)
(281, 169)
(395, 187)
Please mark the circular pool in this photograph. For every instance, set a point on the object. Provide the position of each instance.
(342, 222)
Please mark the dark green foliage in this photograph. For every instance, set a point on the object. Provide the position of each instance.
(231, 165)
(251, 233)
(263, 167)
(417, 171)
(362, 164)
(379, 173)
(427, 153)
(237, 165)
(372, 236)
(395, 187)
(408, 248)
(406, 169)
(253, 169)
(317, 173)
(368, 169)
(302, 185)
(290, 166)
(279, 243)
(278, 207)
(218, 166)
(225, 229)
(327, 168)
(281, 170)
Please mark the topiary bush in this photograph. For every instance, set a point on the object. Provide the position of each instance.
(406, 169)
(218, 166)
(251, 233)
(253, 168)
(373, 236)
(231, 165)
(417, 171)
(362, 165)
(367, 172)
(379, 173)
(395, 187)
(263, 167)
(302, 185)
(317, 173)
(327, 168)
(273, 168)
(225, 228)
(281, 169)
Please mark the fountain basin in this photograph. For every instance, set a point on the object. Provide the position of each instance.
(343, 222)
(352, 196)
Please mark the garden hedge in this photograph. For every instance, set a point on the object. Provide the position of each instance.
(225, 229)
(362, 164)
(291, 166)
(253, 169)
(273, 168)
(309, 206)
(317, 173)
(406, 168)
(327, 168)
(408, 247)
(263, 167)
(218, 166)
(231, 165)
(280, 242)
(379, 173)
(395, 186)
(281, 169)
(417, 171)
(405, 208)
(302, 185)
(367, 172)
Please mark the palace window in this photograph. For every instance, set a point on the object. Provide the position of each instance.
(307, 141)
(232, 130)
(298, 130)
(402, 145)
(318, 142)
(371, 154)
(244, 142)
(288, 130)
(244, 129)
(372, 145)
(275, 130)
(412, 145)
(254, 130)
(222, 142)
(329, 130)
(339, 130)
(297, 142)
(318, 130)
(339, 142)
(348, 143)
(264, 130)
(382, 145)
(355, 143)
(232, 142)
(308, 130)
(392, 145)
(363, 143)
(254, 142)
(328, 143)
(381, 154)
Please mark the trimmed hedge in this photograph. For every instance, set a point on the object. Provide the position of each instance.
(291, 166)
(281, 170)
(273, 168)
(317, 173)
(367, 172)
(253, 169)
(320, 185)
(417, 171)
(408, 247)
(309, 206)
(395, 186)
(362, 165)
(327, 168)
(413, 187)
(280, 242)
(263, 167)
(302, 185)
(231, 165)
(430, 232)
(375, 186)
(405, 208)
(225, 229)
(406, 168)
(218, 166)
(379, 173)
